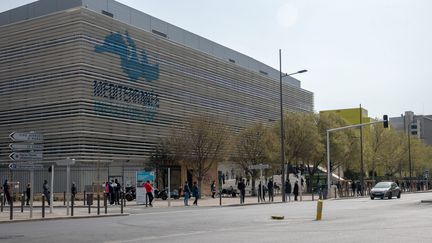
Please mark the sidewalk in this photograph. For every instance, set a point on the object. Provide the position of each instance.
(80, 211)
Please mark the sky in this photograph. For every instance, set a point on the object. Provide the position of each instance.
(377, 53)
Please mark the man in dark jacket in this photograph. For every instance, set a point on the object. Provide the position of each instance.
(296, 190)
(288, 190)
(270, 190)
(195, 193)
(6, 191)
(46, 191)
(242, 188)
(186, 192)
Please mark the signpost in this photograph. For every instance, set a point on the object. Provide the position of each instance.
(28, 151)
(260, 167)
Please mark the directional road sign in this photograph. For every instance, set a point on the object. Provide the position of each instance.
(66, 162)
(25, 147)
(26, 156)
(24, 166)
(26, 137)
(259, 166)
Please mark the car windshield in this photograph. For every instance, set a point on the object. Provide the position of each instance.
(383, 185)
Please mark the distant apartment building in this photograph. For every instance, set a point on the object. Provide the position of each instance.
(351, 115)
(418, 125)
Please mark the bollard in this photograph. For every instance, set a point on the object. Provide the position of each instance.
(64, 198)
(1, 203)
(11, 208)
(88, 203)
(105, 203)
(121, 202)
(84, 198)
(43, 206)
(72, 205)
(319, 209)
(124, 200)
(98, 204)
(22, 203)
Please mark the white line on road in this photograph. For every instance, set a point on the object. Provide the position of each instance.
(141, 239)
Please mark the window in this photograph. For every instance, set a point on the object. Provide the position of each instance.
(107, 14)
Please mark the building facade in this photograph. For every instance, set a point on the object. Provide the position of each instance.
(419, 126)
(104, 82)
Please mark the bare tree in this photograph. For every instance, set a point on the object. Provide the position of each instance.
(255, 145)
(201, 143)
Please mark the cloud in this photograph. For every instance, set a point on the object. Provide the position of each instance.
(287, 15)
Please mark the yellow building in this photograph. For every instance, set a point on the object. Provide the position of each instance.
(351, 115)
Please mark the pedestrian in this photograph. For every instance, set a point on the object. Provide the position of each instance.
(359, 189)
(296, 190)
(28, 189)
(186, 192)
(46, 191)
(288, 190)
(6, 191)
(353, 188)
(73, 190)
(117, 189)
(242, 188)
(195, 193)
(149, 192)
(111, 192)
(261, 192)
(213, 189)
(270, 190)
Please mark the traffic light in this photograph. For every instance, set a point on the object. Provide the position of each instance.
(385, 121)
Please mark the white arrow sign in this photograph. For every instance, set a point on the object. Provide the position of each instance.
(26, 137)
(66, 162)
(24, 166)
(25, 147)
(259, 166)
(26, 156)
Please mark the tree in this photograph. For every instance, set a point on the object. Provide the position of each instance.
(255, 145)
(201, 143)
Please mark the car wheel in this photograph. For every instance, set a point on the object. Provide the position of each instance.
(372, 198)
(390, 196)
(398, 196)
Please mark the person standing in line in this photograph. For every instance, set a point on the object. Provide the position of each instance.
(186, 192)
(117, 192)
(46, 191)
(28, 189)
(73, 190)
(213, 189)
(270, 190)
(6, 191)
(353, 188)
(195, 193)
(149, 191)
(296, 190)
(288, 190)
(242, 188)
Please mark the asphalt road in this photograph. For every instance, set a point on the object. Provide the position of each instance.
(351, 220)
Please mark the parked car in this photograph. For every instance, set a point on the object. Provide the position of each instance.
(385, 189)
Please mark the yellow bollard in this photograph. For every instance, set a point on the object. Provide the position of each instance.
(319, 209)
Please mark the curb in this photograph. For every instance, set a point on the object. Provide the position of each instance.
(63, 217)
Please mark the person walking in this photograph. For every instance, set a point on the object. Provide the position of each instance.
(353, 188)
(296, 190)
(270, 190)
(149, 192)
(186, 192)
(195, 193)
(261, 192)
(288, 190)
(242, 188)
(73, 190)
(46, 191)
(117, 189)
(28, 189)
(213, 189)
(6, 191)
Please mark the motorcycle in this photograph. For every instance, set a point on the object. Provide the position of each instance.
(161, 194)
(130, 194)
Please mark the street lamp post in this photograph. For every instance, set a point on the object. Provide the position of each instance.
(282, 131)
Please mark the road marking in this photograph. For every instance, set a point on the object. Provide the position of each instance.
(141, 239)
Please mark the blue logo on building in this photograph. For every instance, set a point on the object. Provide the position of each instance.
(133, 63)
